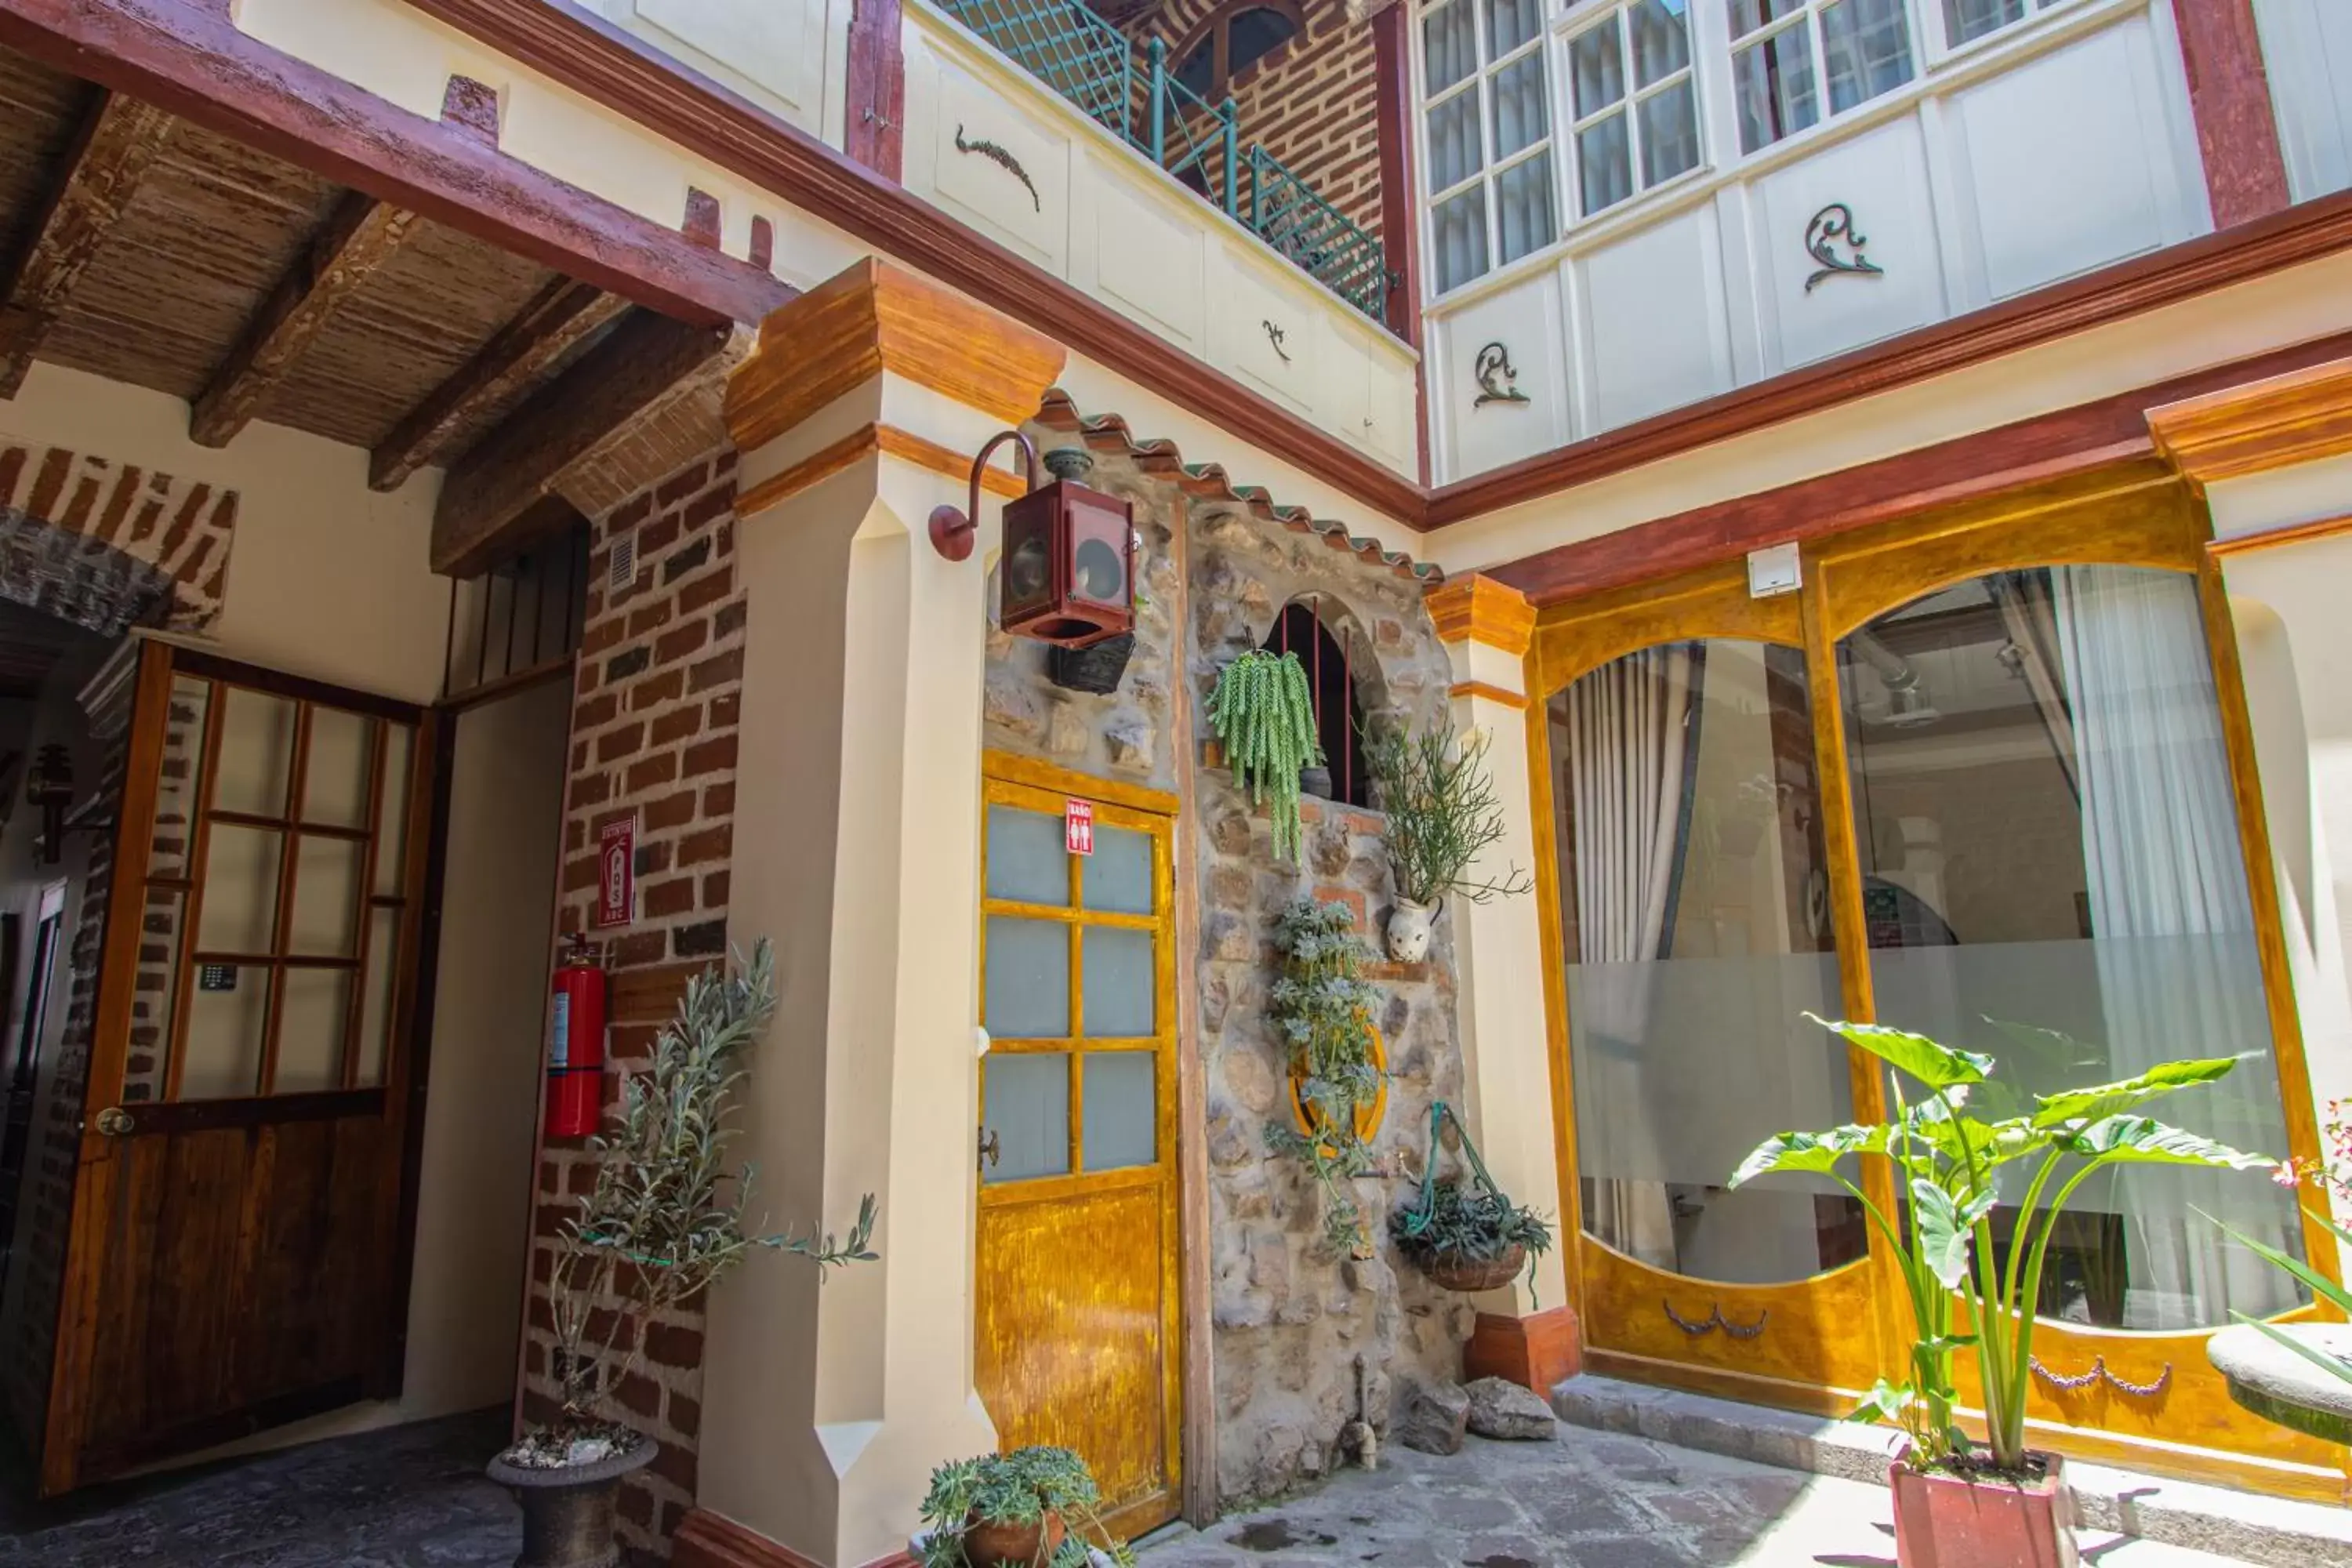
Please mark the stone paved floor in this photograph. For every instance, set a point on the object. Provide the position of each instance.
(1588, 1499)
(410, 1497)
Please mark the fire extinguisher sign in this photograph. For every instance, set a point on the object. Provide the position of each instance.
(616, 873)
(1078, 827)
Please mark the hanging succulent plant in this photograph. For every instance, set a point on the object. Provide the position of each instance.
(1264, 717)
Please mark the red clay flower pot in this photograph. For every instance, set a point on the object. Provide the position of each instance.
(1944, 1520)
(987, 1545)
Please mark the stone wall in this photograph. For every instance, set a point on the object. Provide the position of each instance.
(1290, 1315)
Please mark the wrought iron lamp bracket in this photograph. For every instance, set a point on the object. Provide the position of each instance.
(953, 530)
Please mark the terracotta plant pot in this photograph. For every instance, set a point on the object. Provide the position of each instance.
(1944, 1520)
(567, 1513)
(1471, 1274)
(988, 1544)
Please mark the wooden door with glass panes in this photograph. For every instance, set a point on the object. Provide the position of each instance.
(1075, 1329)
(236, 1259)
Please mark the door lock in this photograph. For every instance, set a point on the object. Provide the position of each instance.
(115, 1122)
(990, 1148)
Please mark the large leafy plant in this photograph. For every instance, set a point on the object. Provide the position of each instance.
(1322, 1008)
(664, 1219)
(1964, 1295)
(1441, 812)
(1017, 1489)
(1265, 718)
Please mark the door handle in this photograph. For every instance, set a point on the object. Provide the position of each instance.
(115, 1122)
(990, 1148)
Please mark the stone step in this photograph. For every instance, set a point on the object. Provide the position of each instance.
(2279, 1533)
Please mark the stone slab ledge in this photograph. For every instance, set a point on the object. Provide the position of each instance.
(2279, 1533)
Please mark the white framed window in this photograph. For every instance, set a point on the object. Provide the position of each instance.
(1633, 103)
(1486, 112)
(1966, 21)
(1786, 56)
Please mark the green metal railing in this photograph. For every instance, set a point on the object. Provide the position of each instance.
(1066, 45)
(1286, 213)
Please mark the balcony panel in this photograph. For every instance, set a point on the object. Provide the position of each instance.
(1125, 230)
(1983, 169)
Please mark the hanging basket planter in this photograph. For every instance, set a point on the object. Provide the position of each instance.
(1470, 1276)
(1466, 1237)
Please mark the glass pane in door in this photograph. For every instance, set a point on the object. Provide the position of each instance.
(2049, 838)
(1026, 1116)
(1694, 913)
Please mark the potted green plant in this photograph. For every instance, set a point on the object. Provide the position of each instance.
(1440, 815)
(1033, 1508)
(1322, 1007)
(663, 1221)
(1466, 1235)
(1957, 1506)
(1264, 719)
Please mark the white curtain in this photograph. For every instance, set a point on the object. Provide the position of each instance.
(1629, 725)
(2173, 931)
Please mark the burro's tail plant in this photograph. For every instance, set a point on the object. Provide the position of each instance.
(1323, 1011)
(1265, 718)
(1964, 1294)
(665, 1217)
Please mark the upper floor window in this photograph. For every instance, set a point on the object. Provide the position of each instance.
(1635, 107)
(1233, 39)
(1782, 50)
(1488, 113)
(1968, 20)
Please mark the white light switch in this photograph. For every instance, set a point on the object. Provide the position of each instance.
(1772, 571)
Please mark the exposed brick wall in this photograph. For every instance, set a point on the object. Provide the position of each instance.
(658, 698)
(160, 532)
(1313, 103)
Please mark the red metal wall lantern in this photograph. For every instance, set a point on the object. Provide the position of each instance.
(1069, 552)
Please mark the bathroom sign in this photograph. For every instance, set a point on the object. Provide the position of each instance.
(1078, 827)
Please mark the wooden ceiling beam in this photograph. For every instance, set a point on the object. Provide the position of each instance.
(112, 149)
(557, 321)
(358, 239)
(487, 499)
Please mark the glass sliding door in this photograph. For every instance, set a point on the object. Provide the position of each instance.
(2049, 842)
(1987, 776)
(1688, 883)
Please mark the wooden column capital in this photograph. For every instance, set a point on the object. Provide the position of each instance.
(2274, 423)
(875, 317)
(1480, 609)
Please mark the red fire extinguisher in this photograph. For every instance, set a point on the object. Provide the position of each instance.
(575, 1052)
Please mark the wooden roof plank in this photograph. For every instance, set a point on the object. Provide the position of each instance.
(557, 321)
(520, 465)
(113, 152)
(357, 240)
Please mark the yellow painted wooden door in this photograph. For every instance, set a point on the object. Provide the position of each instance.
(1077, 1320)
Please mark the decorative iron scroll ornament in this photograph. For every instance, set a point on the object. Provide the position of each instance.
(1716, 1320)
(2099, 1373)
(1002, 160)
(1274, 335)
(1497, 382)
(1833, 224)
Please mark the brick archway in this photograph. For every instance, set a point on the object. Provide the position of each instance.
(108, 545)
